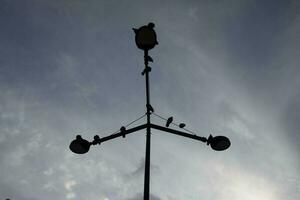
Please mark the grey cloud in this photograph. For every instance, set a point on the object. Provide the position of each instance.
(71, 67)
(290, 118)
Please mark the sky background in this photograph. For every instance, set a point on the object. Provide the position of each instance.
(71, 67)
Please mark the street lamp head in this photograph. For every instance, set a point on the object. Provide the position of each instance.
(218, 143)
(145, 37)
(79, 145)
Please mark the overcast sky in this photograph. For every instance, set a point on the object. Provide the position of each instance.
(71, 67)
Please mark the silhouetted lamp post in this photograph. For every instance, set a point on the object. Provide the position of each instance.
(145, 39)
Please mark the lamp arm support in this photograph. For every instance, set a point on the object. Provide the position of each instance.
(123, 133)
(176, 132)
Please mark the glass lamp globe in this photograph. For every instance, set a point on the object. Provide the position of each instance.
(145, 37)
(79, 145)
(218, 143)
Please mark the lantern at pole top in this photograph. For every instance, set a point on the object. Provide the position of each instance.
(145, 37)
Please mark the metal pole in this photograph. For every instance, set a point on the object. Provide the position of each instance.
(148, 133)
(145, 38)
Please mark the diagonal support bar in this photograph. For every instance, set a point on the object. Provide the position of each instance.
(123, 133)
(176, 132)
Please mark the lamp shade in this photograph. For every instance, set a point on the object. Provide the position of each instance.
(79, 145)
(218, 143)
(145, 37)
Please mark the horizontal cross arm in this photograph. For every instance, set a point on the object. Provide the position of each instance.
(123, 133)
(176, 132)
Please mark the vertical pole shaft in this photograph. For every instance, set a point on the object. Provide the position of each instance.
(148, 133)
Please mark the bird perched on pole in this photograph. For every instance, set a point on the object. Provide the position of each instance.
(181, 125)
(149, 58)
(147, 69)
(123, 130)
(169, 121)
(150, 108)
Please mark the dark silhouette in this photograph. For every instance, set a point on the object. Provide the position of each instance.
(150, 108)
(145, 39)
(147, 69)
(169, 121)
(123, 131)
(181, 125)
